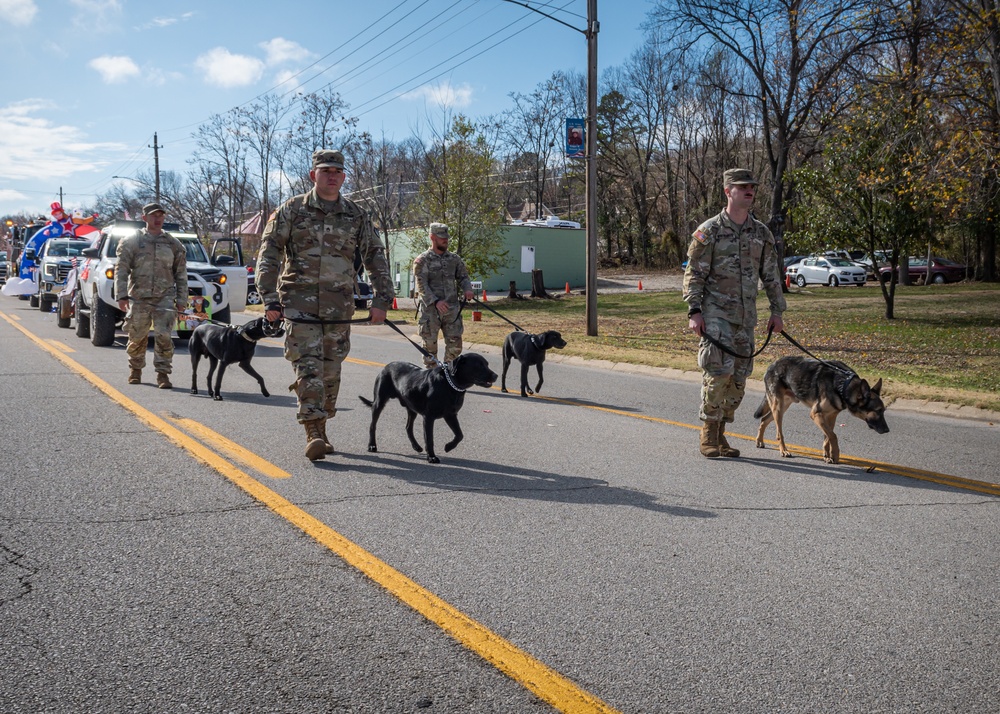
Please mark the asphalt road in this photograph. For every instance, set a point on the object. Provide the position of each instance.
(574, 553)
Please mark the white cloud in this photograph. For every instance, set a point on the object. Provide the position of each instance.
(443, 95)
(35, 147)
(279, 51)
(286, 81)
(114, 70)
(17, 12)
(222, 68)
(96, 15)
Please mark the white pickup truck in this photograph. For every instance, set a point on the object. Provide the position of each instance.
(96, 307)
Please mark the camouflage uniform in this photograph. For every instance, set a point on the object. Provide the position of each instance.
(306, 263)
(725, 261)
(152, 272)
(438, 277)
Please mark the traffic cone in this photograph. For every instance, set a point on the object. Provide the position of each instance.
(788, 280)
(640, 285)
(567, 288)
(395, 304)
(484, 296)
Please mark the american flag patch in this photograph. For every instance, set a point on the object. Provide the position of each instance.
(700, 236)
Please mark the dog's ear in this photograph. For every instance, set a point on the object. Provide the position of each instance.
(878, 386)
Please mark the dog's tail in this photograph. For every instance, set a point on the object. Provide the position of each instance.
(763, 410)
(367, 402)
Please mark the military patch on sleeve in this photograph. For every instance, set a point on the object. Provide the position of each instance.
(700, 236)
(416, 261)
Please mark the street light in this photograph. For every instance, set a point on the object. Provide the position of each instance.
(593, 27)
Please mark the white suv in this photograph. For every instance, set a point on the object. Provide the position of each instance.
(96, 306)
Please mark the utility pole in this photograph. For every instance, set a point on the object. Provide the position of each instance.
(156, 164)
(593, 26)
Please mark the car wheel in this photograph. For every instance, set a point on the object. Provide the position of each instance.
(800, 280)
(33, 301)
(82, 319)
(61, 307)
(45, 304)
(253, 298)
(939, 278)
(833, 281)
(102, 329)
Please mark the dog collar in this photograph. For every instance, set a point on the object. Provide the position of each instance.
(533, 340)
(447, 377)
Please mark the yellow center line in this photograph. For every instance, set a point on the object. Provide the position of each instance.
(61, 346)
(543, 681)
(234, 450)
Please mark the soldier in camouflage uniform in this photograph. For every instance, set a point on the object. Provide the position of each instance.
(729, 253)
(305, 271)
(152, 274)
(438, 275)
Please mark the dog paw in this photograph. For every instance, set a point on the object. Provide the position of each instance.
(372, 448)
(787, 454)
(450, 445)
(217, 397)
(760, 445)
(504, 390)
(265, 393)
(528, 390)
(194, 391)
(433, 460)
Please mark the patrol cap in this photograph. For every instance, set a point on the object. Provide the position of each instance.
(151, 208)
(439, 229)
(323, 158)
(735, 176)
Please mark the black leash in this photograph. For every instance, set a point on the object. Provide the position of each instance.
(770, 331)
(849, 372)
(425, 353)
(516, 326)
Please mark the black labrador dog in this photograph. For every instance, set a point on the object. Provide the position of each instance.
(224, 345)
(436, 393)
(529, 350)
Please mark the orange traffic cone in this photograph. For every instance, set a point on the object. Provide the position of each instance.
(395, 304)
(567, 288)
(788, 280)
(640, 285)
(484, 296)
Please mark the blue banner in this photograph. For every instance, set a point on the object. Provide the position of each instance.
(576, 135)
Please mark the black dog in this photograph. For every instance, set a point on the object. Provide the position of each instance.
(224, 345)
(436, 393)
(529, 350)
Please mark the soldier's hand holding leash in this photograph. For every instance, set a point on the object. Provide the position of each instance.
(377, 317)
(776, 324)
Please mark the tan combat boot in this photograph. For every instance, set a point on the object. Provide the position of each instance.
(315, 444)
(135, 376)
(710, 439)
(326, 439)
(724, 448)
(163, 380)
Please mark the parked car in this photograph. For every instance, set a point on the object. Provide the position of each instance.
(792, 259)
(3, 268)
(253, 297)
(942, 270)
(826, 271)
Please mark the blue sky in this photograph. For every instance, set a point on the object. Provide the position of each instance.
(86, 83)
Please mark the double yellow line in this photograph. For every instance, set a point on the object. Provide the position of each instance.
(543, 681)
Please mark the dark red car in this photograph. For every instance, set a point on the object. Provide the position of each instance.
(942, 270)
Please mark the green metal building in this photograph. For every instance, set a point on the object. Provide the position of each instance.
(560, 253)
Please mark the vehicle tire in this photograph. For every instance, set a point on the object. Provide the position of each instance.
(33, 301)
(938, 279)
(253, 298)
(45, 304)
(833, 281)
(60, 320)
(800, 280)
(102, 328)
(82, 319)
(224, 315)
(884, 277)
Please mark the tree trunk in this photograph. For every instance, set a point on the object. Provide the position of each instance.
(512, 294)
(538, 284)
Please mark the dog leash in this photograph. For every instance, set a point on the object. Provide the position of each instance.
(849, 373)
(482, 304)
(180, 315)
(770, 331)
(445, 368)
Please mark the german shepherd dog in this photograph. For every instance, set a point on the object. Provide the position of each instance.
(827, 388)
(224, 345)
(435, 393)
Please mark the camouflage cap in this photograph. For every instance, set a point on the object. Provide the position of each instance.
(439, 229)
(151, 208)
(736, 176)
(323, 158)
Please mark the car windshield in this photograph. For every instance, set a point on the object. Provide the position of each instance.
(840, 263)
(194, 249)
(60, 249)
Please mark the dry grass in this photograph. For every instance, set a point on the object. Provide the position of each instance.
(944, 344)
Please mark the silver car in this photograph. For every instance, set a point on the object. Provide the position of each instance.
(826, 271)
